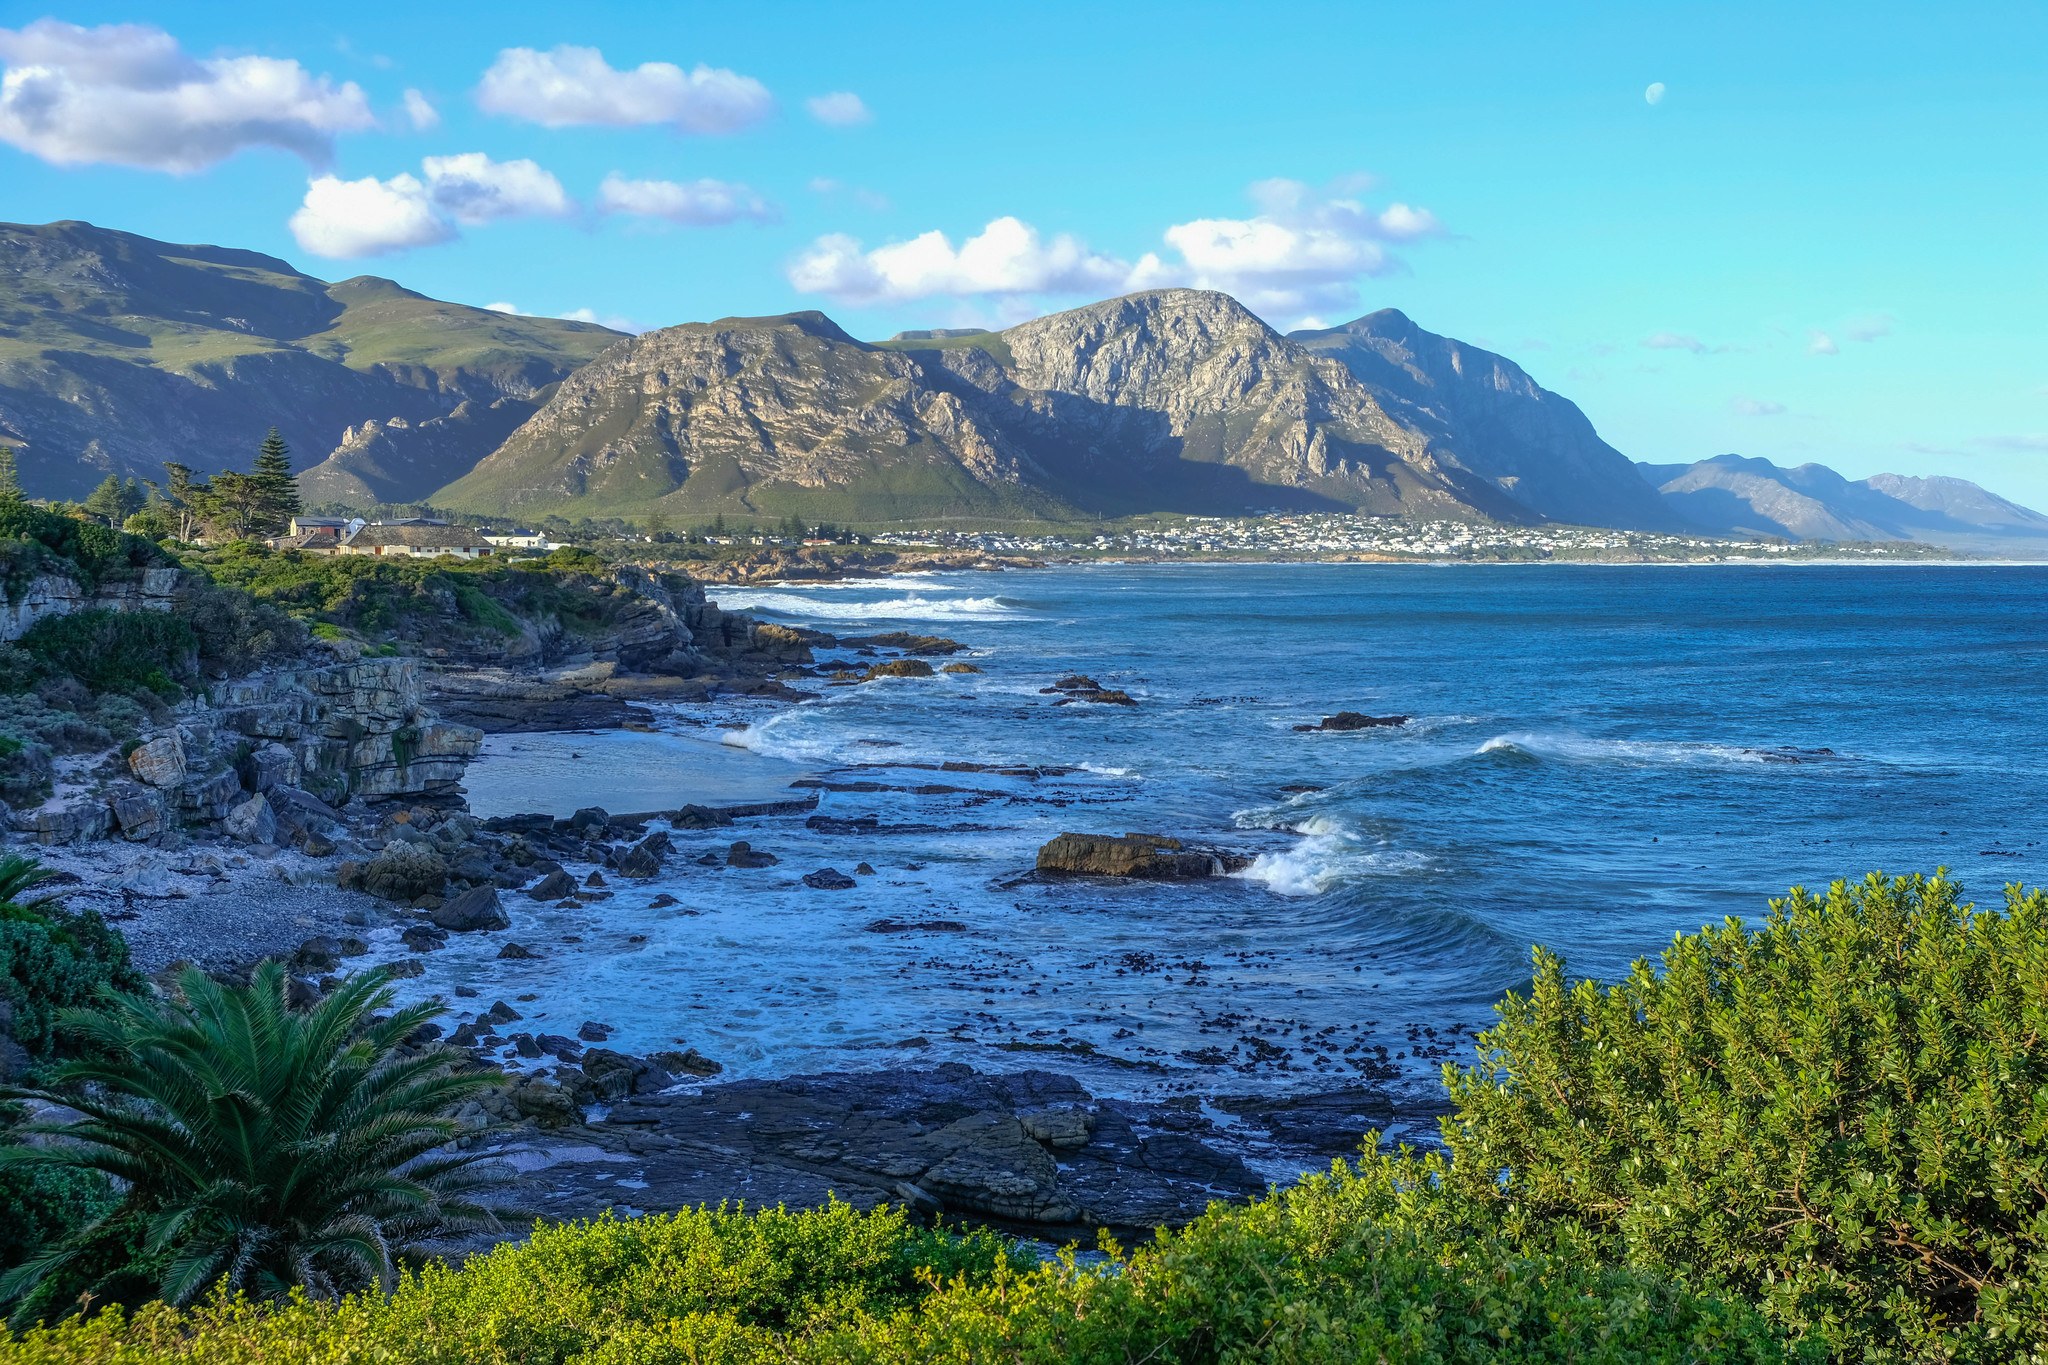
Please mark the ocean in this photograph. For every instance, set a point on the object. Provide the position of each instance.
(1598, 758)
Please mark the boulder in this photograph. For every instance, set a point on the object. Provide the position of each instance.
(211, 797)
(744, 854)
(272, 765)
(828, 879)
(544, 1103)
(65, 821)
(137, 811)
(699, 817)
(405, 966)
(474, 909)
(959, 668)
(1354, 720)
(516, 952)
(500, 1013)
(252, 822)
(553, 887)
(609, 1075)
(898, 668)
(319, 954)
(1150, 856)
(161, 762)
(424, 938)
(401, 872)
(995, 1167)
(643, 860)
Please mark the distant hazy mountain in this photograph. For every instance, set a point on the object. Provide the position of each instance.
(118, 352)
(1501, 423)
(1176, 400)
(1735, 495)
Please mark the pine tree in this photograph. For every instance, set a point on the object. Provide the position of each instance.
(10, 478)
(105, 502)
(278, 490)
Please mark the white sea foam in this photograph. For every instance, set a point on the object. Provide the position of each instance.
(1330, 854)
(915, 607)
(1577, 748)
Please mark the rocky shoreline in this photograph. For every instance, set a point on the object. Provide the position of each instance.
(395, 867)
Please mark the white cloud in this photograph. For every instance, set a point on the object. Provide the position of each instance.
(128, 95)
(1821, 343)
(1869, 327)
(840, 109)
(611, 320)
(371, 217)
(368, 217)
(1756, 407)
(575, 85)
(1006, 257)
(1654, 93)
(1674, 341)
(698, 203)
(471, 188)
(420, 111)
(1302, 252)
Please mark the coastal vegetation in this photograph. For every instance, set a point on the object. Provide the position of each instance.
(257, 1148)
(1816, 1138)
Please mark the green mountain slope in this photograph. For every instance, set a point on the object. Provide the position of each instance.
(118, 352)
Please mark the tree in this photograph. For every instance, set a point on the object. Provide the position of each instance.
(657, 526)
(113, 501)
(277, 488)
(10, 477)
(188, 500)
(258, 1145)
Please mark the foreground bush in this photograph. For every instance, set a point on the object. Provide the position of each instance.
(1300, 1277)
(1842, 1115)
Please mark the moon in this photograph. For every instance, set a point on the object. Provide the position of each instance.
(1655, 94)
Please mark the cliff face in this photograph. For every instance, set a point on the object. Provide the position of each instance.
(54, 594)
(716, 416)
(1178, 400)
(266, 758)
(1497, 421)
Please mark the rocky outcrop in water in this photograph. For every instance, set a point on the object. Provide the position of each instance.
(1152, 857)
(638, 635)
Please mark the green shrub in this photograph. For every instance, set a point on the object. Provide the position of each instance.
(116, 650)
(1842, 1115)
(44, 541)
(50, 958)
(1294, 1278)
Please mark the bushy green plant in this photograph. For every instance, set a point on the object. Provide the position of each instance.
(1842, 1114)
(51, 959)
(116, 651)
(46, 541)
(258, 1146)
(1292, 1278)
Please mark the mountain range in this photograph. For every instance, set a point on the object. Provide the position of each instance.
(118, 352)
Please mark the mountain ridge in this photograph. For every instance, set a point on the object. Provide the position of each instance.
(1750, 495)
(118, 351)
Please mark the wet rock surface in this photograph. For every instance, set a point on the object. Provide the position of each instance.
(1355, 720)
(1154, 857)
(1028, 1150)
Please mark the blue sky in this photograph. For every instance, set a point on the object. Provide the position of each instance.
(1824, 241)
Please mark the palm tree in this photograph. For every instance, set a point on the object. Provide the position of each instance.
(260, 1146)
(18, 876)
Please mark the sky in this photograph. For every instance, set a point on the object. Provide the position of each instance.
(1805, 232)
